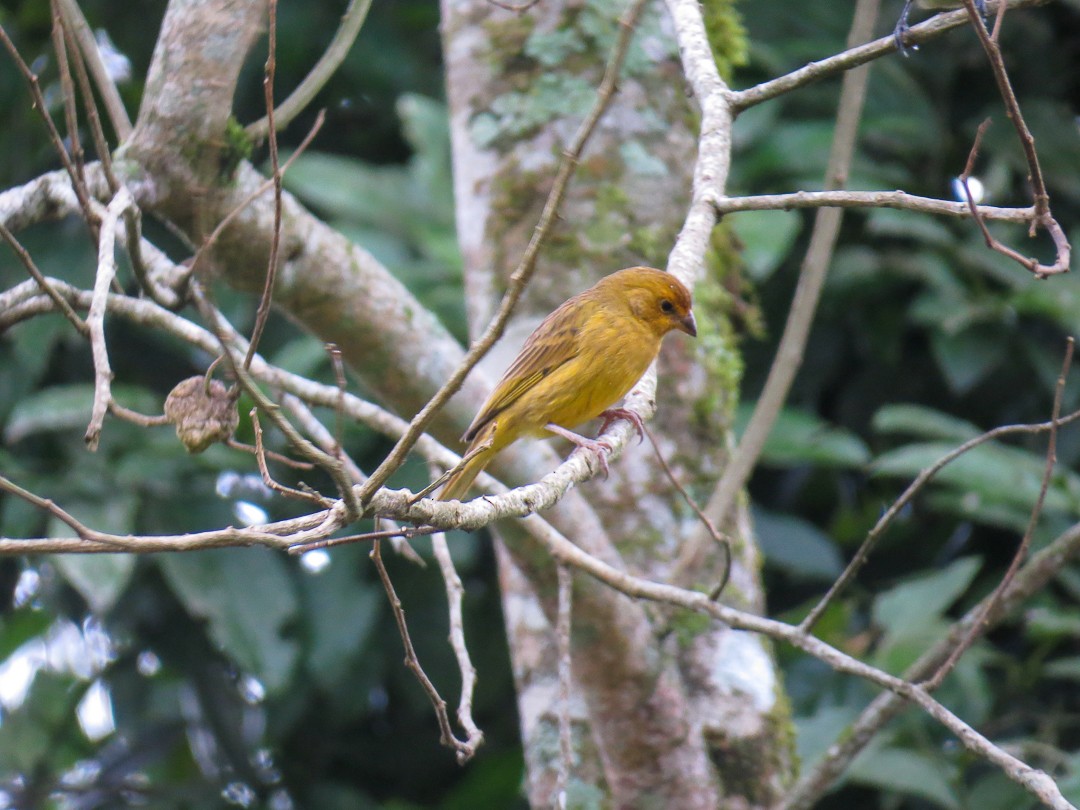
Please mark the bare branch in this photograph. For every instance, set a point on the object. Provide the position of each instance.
(455, 592)
(978, 626)
(114, 106)
(853, 57)
(463, 748)
(106, 273)
(58, 143)
(1041, 217)
(263, 312)
(863, 553)
(351, 22)
(1042, 567)
(562, 637)
(868, 199)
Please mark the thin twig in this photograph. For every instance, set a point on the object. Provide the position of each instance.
(339, 380)
(84, 532)
(46, 287)
(455, 592)
(132, 217)
(562, 637)
(872, 537)
(136, 418)
(67, 87)
(228, 338)
(1040, 196)
(260, 458)
(1039, 218)
(979, 625)
(1042, 567)
(853, 57)
(517, 8)
(351, 22)
(235, 444)
(868, 199)
(77, 185)
(483, 447)
(447, 737)
(1037, 783)
(114, 105)
(263, 311)
(719, 537)
(406, 532)
(527, 265)
(306, 419)
(106, 273)
(101, 145)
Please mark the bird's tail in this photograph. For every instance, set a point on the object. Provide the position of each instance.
(460, 481)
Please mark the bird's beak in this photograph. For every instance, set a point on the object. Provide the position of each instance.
(688, 324)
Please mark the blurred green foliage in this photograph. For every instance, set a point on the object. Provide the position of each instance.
(246, 678)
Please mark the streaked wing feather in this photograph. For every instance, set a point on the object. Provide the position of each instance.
(554, 342)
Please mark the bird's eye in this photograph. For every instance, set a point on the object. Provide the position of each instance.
(667, 306)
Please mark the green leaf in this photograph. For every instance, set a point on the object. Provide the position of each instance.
(897, 223)
(58, 408)
(66, 407)
(19, 626)
(340, 610)
(29, 736)
(816, 732)
(799, 437)
(99, 578)
(990, 473)
(1065, 668)
(995, 791)
(1053, 625)
(797, 547)
(767, 237)
(923, 422)
(967, 357)
(906, 771)
(353, 191)
(908, 610)
(248, 598)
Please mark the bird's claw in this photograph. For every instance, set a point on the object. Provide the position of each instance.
(902, 27)
(598, 447)
(615, 414)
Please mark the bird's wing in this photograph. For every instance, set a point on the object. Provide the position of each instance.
(554, 342)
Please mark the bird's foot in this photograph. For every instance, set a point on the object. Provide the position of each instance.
(615, 414)
(598, 447)
(901, 29)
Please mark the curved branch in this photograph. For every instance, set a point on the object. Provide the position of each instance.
(869, 199)
(853, 57)
(351, 22)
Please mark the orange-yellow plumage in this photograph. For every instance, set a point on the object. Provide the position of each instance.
(583, 358)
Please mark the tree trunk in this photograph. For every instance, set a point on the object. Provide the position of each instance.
(666, 714)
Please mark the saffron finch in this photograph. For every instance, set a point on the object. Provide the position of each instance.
(582, 359)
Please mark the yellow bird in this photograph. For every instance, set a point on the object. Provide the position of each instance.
(583, 358)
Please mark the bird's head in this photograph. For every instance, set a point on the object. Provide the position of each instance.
(659, 299)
